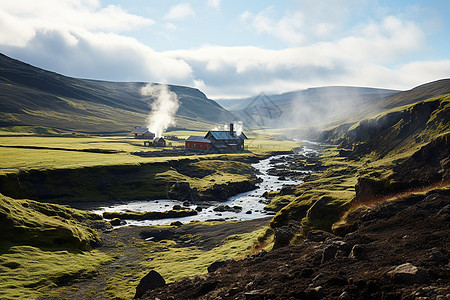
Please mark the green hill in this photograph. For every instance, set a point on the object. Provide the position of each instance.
(35, 97)
(402, 150)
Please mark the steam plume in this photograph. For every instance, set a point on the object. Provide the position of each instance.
(164, 106)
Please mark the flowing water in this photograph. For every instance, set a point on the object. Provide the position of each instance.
(252, 202)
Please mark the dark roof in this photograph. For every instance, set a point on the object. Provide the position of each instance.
(140, 130)
(196, 138)
(225, 135)
(157, 139)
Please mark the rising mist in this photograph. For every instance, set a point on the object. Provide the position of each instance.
(163, 107)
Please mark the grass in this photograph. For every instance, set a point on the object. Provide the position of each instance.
(29, 272)
(44, 245)
(174, 262)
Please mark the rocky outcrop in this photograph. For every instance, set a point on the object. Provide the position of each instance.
(149, 282)
(407, 273)
(183, 192)
(221, 192)
(396, 251)
(284, 234)
(428, 165)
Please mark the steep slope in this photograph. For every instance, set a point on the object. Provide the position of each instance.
(337, 134)
(32, 96)
(396, 129)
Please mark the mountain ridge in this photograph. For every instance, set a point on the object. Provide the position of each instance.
(37, 97)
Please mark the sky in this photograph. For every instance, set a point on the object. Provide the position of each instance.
(234, 48)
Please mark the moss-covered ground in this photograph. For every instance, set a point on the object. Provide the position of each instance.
(44, 246)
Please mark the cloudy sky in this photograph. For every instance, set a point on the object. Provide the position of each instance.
(234, 48)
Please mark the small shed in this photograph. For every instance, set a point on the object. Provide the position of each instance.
(142, 133)
(195, 142)
(159, 142)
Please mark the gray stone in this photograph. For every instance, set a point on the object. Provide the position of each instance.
(345, 296)
(407, 273)
(149, 282)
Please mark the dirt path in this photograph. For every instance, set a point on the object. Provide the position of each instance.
(208, 236)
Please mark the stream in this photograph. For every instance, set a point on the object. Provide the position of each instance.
(252, 202)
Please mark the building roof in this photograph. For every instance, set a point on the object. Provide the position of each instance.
(225, 135)
(197, 138)
(140, 130)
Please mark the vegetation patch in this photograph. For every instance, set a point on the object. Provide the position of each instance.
(174, 261)
(44, 245)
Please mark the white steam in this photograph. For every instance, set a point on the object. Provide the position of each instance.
(163, 108)
(238, 127)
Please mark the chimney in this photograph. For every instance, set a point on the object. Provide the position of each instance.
(231, 128)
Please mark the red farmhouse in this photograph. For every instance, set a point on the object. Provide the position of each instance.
(195, 142)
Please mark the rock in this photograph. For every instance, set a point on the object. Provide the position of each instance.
(183, 192)
(329, 253)
(368, 187)
(248, 212)
(318, 236)
(198, 208)
(176, 223)
(115, 222)
(407, 274)
(150, 281)
(217, 265)
(176, 207)
(358, 252)
(314, 293)
(284, 234)
(345, 296)
(315, 211)
(206, 287)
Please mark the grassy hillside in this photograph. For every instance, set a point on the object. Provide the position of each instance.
(35, 97)
(44, 246)
(399, 151)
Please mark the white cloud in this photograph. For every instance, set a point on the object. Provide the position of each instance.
(214, 4)
(353, 60)
(87, 14)
(288, 28)
(180, 11)
(92, 44)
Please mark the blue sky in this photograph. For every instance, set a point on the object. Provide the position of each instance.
(231, 48)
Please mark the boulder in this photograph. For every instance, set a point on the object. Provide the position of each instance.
(315, 211)
(407, 274)
(369, 187)
(358, 252)
(149, 282)
(284, 234)
(217, 265)
(115, 222)
(318, 236)
(183, 192)
(329, 253)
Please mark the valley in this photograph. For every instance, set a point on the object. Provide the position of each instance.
(363, 216)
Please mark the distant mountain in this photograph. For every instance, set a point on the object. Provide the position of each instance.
(307, 111)
(35, 97)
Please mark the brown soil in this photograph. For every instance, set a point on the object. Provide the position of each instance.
(411, 230)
